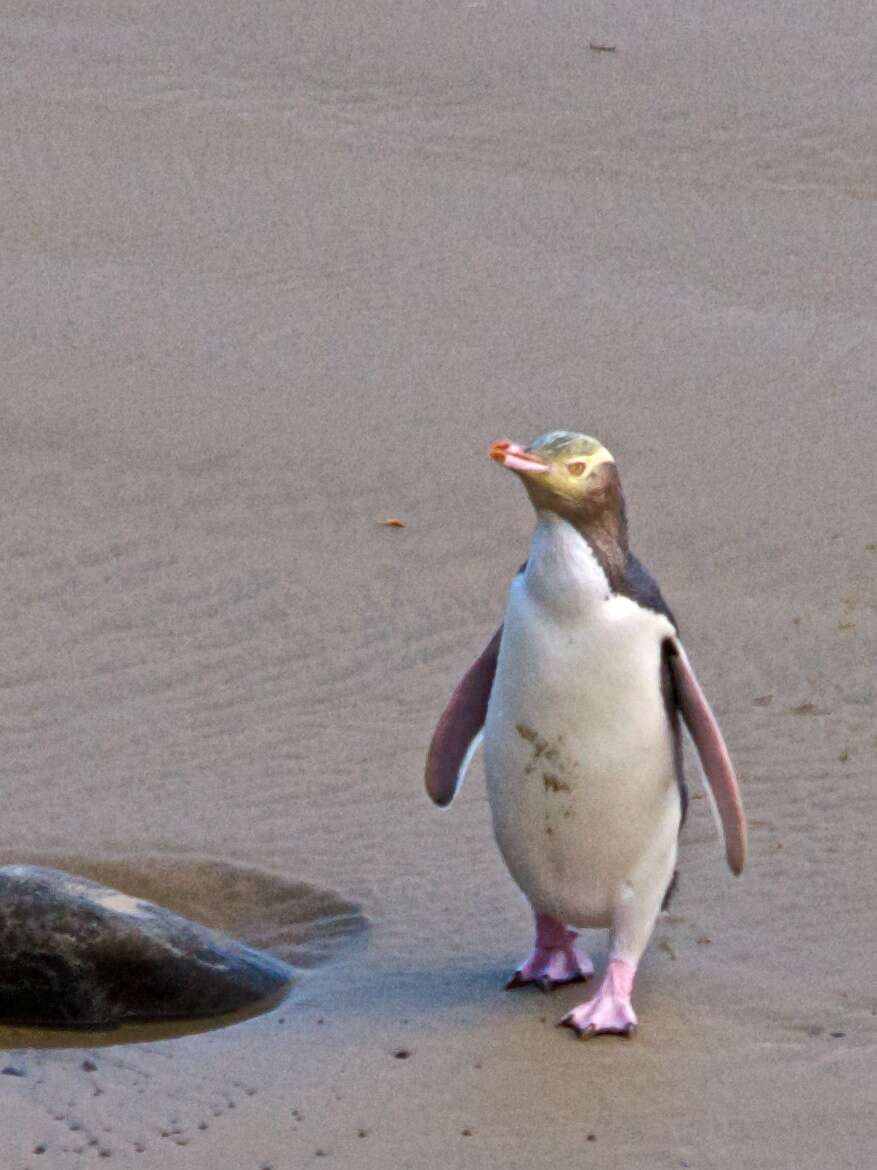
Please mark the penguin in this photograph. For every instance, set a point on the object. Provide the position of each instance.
(579, 699)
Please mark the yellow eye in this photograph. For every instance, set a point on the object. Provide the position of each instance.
(578, 468)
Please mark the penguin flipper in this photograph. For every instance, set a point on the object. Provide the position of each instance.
(715, 761)
(458, 732)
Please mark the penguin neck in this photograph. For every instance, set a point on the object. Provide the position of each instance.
(599, 517)
(563, 572)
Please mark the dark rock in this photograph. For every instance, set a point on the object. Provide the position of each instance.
(77, 954)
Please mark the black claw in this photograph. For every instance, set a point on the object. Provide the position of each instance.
(545, 983)
(589, 1032)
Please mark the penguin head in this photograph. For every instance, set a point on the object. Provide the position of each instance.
(563, 471)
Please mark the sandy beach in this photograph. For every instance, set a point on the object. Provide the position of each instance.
(274, 273)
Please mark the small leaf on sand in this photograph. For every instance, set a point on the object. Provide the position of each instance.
(393, 523)
(804, 709)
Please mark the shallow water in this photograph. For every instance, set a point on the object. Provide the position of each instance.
(13, 1037)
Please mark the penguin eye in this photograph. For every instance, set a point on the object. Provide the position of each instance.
(578, 468)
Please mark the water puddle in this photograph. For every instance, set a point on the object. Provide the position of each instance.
(14, 1037)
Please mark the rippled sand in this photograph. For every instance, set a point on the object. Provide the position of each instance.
(274, 273)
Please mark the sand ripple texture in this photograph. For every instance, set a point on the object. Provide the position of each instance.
(270, 274)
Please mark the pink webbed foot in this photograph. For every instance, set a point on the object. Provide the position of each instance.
(610, 1011)
(554, 959)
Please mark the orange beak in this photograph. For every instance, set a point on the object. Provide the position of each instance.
(515, 458)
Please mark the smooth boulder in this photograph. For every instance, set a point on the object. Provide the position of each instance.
(76, 954)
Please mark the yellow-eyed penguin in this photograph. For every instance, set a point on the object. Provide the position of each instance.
(579, 696)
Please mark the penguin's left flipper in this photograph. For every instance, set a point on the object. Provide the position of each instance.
(717, 767)
(458, 733)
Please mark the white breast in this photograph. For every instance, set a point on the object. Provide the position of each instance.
(578, 749)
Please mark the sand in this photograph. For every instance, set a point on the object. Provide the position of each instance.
(274, 273)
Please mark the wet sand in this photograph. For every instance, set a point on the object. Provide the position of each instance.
(274, 274)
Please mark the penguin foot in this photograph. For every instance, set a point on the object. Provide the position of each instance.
(550, 969)
(610, 1011)
(554, 960)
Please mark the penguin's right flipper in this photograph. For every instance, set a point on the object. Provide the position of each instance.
(458, 733)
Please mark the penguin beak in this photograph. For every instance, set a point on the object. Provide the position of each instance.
(516, 458)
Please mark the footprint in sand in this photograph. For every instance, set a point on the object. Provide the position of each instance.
(79, 1098)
